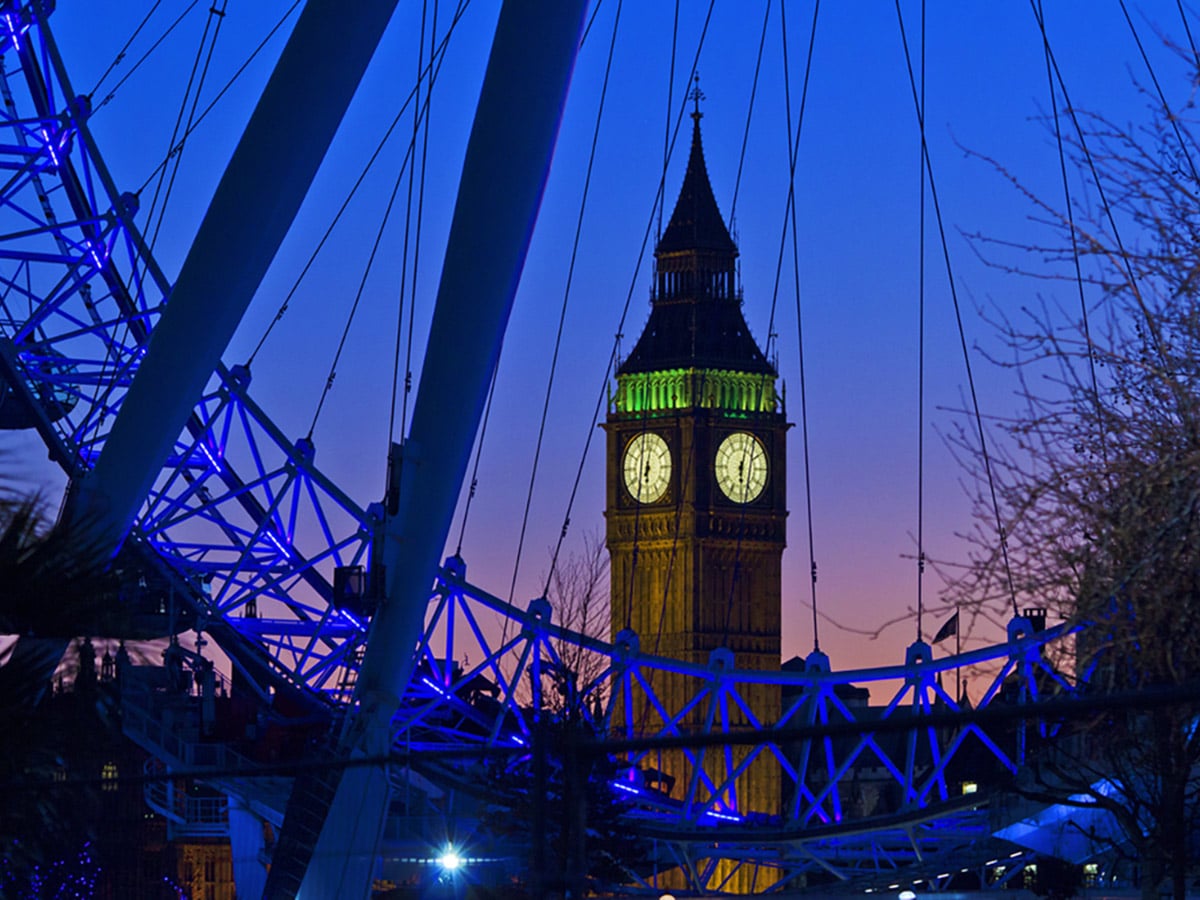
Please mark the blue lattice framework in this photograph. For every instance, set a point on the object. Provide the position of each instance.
(241, 511)
(255, 532)
(823, 827)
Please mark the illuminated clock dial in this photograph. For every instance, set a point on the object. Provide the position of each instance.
(647, 467)
(741, 467)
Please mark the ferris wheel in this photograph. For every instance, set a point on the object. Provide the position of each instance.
(277, 560)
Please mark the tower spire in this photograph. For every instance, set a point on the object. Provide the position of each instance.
(696, 319)
(696, 224)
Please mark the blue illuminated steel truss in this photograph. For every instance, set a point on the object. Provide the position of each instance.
(511, 679)
(240, 511)
(255, 532)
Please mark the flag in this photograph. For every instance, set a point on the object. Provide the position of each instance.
(948, 629)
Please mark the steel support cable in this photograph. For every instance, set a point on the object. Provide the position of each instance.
(1070, 210)
(487, 412)
(670, 107)
(685, 476)
(686, 473)
(792, 147)
(737, 182)
(562, 315)
(558, 341)
(117, 60)
(735, 575)
(137, 65)
(362, 284)
(962, 334)
(1151, 323)
(413, 94)
(812, 558)
(633, 281)
(668, 145)
(656, 647)
(224, 90)
(175, 151)
(587, 29)
(312, 258)
(637, 523)
(188, 92)
(1187, 29)
(615, 355)
(562, 535)
(1162, 98)
(793, 150)
(790, 221)
(408, 222)
(412, 304)
(921, 162)
(693, 77)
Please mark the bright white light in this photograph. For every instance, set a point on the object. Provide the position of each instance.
(908, 895)
(450, 860)
(667, 897)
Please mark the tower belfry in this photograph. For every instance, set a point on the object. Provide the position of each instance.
(696, 496)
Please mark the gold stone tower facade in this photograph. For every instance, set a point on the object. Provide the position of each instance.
(696, 506)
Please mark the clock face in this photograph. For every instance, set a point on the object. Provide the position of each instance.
(741, 467)
(647, 467)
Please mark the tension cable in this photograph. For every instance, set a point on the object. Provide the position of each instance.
(962, 333)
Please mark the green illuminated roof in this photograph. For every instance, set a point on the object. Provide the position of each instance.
(736, 393)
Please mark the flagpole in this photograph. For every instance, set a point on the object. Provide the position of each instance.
(957, 653)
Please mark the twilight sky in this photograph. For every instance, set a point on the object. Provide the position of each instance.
(858, 206)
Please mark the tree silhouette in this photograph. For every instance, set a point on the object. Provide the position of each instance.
(558, 802)
(1096, 482)
(61, 825)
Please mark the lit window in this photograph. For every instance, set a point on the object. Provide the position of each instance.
(969, 787)
(108, 776)
(1030, 876)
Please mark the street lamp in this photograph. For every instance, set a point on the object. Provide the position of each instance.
(450, 861)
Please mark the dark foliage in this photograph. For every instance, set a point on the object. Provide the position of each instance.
(1096, 478)
(576, 835)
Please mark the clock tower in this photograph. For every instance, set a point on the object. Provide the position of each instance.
(696, 496)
